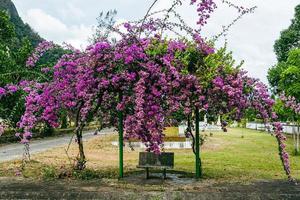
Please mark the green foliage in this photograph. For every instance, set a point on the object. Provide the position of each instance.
(285, 76)
(87, 174)
(7, 31)
(222, 58)
(274, 74)
(9, 134)
(12, 108)
(290, 81)
(16, 45)
(289, 38)
(47, 130)
(21, 30)
(50, 57)
(250, 115)
(6, 37)
(283, 113)
(49, 173)
(294, 57)
(193, 59)
(23, 52)
(179, 116)
(12, 61)
(157, 48)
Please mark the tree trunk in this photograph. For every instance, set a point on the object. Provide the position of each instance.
(294, 140)
(298, 138)
(80, 165)
(197, 145)
(64, 121)
(297, 144)
(189, 133)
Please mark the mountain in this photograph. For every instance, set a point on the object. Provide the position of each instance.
(22, 29)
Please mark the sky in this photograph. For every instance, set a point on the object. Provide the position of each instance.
(251, 39)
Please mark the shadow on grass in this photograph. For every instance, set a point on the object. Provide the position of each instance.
(132, 176)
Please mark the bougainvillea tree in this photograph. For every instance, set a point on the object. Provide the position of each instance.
(147, 77)
(87, 84)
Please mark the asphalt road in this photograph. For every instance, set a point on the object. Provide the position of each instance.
(15, 151)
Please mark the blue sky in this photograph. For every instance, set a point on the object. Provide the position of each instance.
(252, 39)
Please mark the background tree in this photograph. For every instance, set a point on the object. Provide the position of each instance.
(289, 38)
(14, 53)
(290, 77)
(22, 30)
(284, 77)
(17, 41)
(10, 61)
(284, 113)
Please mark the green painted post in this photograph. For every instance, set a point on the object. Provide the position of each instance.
(197, 155)
(120, 129)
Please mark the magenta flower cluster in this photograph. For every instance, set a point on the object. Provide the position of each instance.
(204, 9)
(8, 89)
(290, 102)
(39, 52)
(282, 148)
(203, 46)
(88, 82)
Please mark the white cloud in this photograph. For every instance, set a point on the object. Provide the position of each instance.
(70, 10)
(52, 28)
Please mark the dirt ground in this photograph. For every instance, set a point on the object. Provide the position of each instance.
(152, 189)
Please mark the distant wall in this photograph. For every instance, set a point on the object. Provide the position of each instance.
(287, 128)
(202, 126)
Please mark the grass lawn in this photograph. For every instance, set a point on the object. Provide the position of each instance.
(238, 155)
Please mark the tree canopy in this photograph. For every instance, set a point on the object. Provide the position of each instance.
(13, 59)
(284, 77)
(289, 38)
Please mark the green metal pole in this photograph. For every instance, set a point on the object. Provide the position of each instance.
(197, 143)
(120, 129)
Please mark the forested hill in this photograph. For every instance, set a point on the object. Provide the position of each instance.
(22, 29)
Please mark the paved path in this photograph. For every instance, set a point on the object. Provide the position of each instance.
(15, 151)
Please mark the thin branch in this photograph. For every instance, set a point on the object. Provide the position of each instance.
(148, 11)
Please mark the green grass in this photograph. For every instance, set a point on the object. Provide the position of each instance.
(238, 155)
(244, 155)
